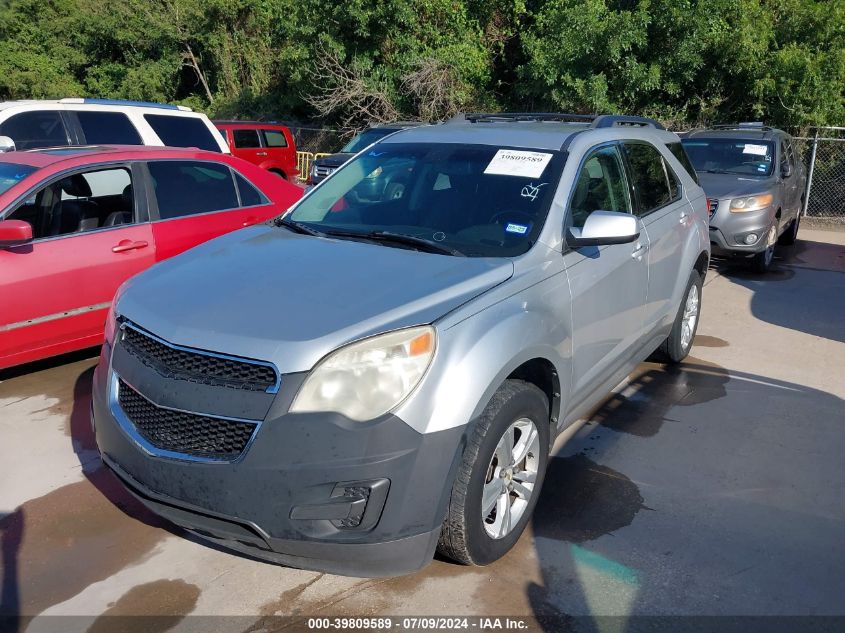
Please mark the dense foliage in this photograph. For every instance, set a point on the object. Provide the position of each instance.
(684, 61)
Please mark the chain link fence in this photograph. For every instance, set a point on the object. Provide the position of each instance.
(824, 155)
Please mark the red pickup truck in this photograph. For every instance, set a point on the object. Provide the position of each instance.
(268, 145)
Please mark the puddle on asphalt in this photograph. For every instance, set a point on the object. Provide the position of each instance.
(169, 600)
(55, 546)
(583, 500)
(654, 389)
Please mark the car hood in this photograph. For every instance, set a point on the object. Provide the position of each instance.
(332, 160)
(732, 185)
(269, 294)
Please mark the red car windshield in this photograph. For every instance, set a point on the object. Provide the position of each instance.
(12, 173)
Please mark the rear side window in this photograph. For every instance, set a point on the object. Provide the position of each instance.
(274, 138)
(108, 128)
(39, 128)
(680, 153)
(182, 131)
(649, 177)
(250, 196)
(246, 138)
(185, 188)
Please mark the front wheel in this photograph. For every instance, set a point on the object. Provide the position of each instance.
(762, 261)
(500, 476)
(677, 345)
(791, 234)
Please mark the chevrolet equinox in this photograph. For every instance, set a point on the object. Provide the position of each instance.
(381, 372)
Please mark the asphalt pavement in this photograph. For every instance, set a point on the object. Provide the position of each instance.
(712, 488)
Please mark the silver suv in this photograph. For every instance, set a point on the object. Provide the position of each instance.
(755, 182)
(382, 371)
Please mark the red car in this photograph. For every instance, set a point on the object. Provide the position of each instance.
(76, 222)
(268, 145)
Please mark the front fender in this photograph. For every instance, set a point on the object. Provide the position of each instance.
(477, 354)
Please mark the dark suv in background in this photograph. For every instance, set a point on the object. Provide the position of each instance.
(755, 182)
(325, 165)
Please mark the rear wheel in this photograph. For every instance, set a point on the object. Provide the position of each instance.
(280, 174)
(677, 345)
(500, 476)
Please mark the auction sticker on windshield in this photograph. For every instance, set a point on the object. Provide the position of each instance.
(756, 150)
(511, 162)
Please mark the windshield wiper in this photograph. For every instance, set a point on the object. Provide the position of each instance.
(420, 243)
(298, 227)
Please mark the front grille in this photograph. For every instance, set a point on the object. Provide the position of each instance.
(197, 366)
(186, 433)
(712, 207)
(321, 171)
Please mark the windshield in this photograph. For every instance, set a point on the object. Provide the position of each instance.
(480, 200)
(11, 174)
(731, 156)
(365, 138)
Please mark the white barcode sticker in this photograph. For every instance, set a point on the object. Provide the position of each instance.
(511, 162)
(757, 150)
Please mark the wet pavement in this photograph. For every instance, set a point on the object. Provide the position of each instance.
(716, 487)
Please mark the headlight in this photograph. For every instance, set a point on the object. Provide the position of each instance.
(367, 379)
(751, 203)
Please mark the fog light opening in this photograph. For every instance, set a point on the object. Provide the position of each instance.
(751, 238)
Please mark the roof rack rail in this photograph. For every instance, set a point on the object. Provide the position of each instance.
(613, 120)
(475, 117)
(756, 126)
(125, 102)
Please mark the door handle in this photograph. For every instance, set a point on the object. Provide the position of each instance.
(250, 221)
(639, 250)
(683, 218)
(128, 245)
(261, 153)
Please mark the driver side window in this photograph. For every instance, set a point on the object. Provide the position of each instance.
(80, 202)
(600, 186)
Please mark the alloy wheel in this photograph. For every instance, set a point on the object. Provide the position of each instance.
(690, 317)
(511, 478)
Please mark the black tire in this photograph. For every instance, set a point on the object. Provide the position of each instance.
(463, 537)
(280, 174)
(790, 236)
(673, 350)
(762, 261)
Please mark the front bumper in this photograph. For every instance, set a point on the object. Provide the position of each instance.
(728, 230)
(315, 491)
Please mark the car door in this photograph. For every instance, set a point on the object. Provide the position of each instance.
(280, 150)
(194, 201)
(607, 283)
(247, 145)
(90, 234)
(793, 182)
(666, 216)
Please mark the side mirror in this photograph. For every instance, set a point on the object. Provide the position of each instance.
(604, 227)
(14, 233)
(786, 170)
(6, 144)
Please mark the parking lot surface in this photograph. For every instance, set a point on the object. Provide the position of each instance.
(716, 487)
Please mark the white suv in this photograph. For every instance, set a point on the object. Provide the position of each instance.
(51, 123)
